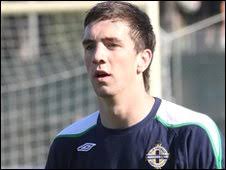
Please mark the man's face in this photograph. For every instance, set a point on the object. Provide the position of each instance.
(110, 57)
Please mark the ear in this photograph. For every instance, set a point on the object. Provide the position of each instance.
(143, 60)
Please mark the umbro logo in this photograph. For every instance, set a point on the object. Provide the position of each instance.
(86, 147)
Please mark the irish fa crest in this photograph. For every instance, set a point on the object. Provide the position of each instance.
(157, 156)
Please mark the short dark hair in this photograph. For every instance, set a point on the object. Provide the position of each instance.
(141, 29)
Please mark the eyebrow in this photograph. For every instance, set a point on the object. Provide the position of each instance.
(87, 41)
(112, 39)
(108, 39)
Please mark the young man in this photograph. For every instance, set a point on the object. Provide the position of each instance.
(131, 129)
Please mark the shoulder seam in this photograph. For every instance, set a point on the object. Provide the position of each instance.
(80, 127)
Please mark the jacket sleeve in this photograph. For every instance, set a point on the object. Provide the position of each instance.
(203, 150)
(51, 159)
(56, 158)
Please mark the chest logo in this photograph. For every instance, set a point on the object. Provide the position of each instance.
(86, 147)
(157, 156)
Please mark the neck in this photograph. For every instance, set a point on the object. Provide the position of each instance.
(125, 110)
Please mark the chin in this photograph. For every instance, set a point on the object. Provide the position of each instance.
(104, 92)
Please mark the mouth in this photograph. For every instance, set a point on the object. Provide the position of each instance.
(101, 75)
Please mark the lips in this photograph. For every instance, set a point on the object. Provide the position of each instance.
(101, 74)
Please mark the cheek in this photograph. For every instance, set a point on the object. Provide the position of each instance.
(87, 62)
(126, 68)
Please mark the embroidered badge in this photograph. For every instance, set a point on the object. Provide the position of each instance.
(157, 156)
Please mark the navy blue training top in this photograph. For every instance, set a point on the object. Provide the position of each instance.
(171, 137)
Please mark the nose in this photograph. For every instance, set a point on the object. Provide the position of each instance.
(99, 55)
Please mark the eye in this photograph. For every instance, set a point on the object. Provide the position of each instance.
(90, 46)
(111, 45)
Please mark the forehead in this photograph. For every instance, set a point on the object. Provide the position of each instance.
(107, 28)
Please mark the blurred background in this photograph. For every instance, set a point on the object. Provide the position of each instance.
(44, 85)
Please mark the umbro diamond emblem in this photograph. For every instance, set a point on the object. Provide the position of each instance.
(86, 147)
